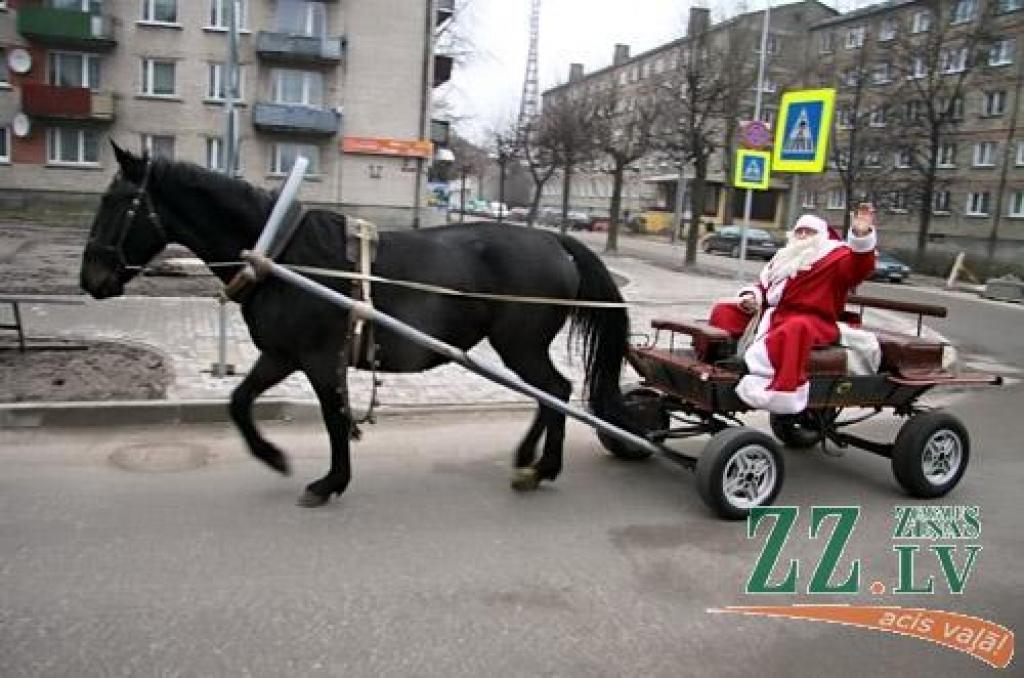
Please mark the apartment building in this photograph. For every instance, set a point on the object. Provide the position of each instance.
(346, 83)
(651, 185)
(878, 60)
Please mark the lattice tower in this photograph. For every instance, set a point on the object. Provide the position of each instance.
(529, 104)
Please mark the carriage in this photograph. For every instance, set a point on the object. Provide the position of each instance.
(689, 390)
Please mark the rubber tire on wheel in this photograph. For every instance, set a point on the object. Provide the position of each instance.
(714, 462)
(911, 445)
(792, 431)
(634, 400)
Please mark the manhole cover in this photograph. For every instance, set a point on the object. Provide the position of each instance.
(160, 457)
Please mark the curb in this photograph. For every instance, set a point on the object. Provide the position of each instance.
(81, 414)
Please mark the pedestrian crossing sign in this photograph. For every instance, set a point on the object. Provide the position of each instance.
(801, 137)
(752, 169)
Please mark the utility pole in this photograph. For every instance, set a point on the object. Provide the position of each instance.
(231, 90)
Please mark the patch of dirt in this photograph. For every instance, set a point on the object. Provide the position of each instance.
(82, 371)
(40, 259)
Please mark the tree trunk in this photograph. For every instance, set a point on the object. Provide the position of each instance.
(612, 244)
(538, 189)
(696, 211)
(924, 218)
(563, 225)
(728, 155)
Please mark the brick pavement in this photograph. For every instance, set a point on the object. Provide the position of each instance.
(185, 330)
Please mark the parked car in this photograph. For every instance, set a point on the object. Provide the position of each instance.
(760, 243)
(518, 213)
(498, 210)
(579, 221)
(890, 269)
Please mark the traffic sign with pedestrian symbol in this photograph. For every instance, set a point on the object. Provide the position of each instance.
(752, 169)
(801, 137)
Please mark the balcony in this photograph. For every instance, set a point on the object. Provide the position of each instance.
(440, 132)
(51, 102)
(299, 49)
(67, 28)
(442, 69)
(289, 119)
(445, 10)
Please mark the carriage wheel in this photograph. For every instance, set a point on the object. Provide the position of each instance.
(739, 469)
(799, 431)
(646, 412)
(930, 454)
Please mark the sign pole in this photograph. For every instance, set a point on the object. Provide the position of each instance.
(749, 199)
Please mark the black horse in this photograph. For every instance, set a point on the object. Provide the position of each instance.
(152, 203)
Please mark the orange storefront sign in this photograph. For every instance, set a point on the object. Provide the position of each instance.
(407, 148)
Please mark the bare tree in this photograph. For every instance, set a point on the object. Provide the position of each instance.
(624, 132)
(693, 101)
(540, 146)
(934, 68)
(569, 121)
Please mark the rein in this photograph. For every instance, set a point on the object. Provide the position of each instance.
(141, 197)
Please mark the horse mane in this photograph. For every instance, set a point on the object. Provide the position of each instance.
(236, 195)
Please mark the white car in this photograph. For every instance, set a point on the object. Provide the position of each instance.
(498, 210)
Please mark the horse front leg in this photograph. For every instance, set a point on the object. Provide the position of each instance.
(328, 378)
(266, 372)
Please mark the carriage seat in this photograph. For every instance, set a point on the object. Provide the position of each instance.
(713, 345)
(906, 353)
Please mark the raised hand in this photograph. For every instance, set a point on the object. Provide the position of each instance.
(863, 220)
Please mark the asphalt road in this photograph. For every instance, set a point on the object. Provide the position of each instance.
(168, 552)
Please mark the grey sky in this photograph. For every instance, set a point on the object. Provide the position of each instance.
(484, 93)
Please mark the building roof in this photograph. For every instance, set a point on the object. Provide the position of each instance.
(863, 13)
(683, 40)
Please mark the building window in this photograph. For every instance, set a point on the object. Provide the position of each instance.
(851, 77)
(299, 88)
(1017, 204)
(985, 154)
(921, 22)
(898, 202)
(841, 160)
(952, 110)
(768, 116)
(918, 68)
(947, 155)
(160, 11)
(940, 202)
(878, 116)
(882, 73)
(977, 204)
(217, 82)
(995, 103)
(1009, 6)
(301, 17)
(954, 60)
(159, 145)
(91, 6)
(855, 37)
(71, 69)
(873, 159)
(887, 29)
(1001, 53)
(215, 150)
(285, 154)
(826, 43)
(903, 159)
(846, 117)
(218, 15)
(963, 11)
(158, 77)
(5, 145)
(809, 200)
(4, 82)
(1020, 154)
(913, 111)
(72, 146)
(836, 199)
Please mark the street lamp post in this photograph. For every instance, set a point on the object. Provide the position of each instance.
(748, 200)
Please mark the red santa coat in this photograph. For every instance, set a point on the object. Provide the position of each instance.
(796, 314)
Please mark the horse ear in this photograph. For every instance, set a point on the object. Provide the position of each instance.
(132, 166)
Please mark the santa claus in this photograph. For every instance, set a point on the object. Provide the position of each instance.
(795, 306)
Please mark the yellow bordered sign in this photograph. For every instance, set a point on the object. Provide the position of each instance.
(752, 169)
(801, 136)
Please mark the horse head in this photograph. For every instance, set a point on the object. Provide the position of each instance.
(126, 233)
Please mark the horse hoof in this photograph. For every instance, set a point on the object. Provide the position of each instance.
(275, 460)
(312, 500)
(525, 479)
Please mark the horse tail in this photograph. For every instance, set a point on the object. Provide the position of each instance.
(603, 333)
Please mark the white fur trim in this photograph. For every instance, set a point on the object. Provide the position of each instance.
(816, 224)
(864, 353)
(753, 390)
(863, 243)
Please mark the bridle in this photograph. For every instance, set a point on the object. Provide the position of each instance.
(141, 199)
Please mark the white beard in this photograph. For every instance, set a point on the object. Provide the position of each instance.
(796, 256)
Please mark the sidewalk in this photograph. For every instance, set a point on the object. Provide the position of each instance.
(185, 330)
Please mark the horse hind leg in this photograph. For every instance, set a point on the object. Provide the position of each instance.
(265, 373)
(328, 379)
(534, 366)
